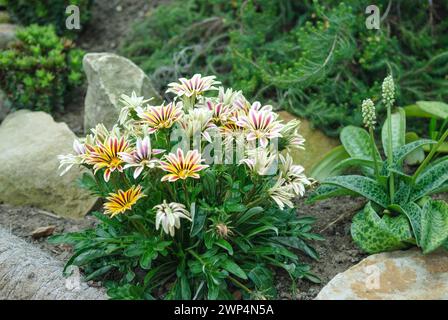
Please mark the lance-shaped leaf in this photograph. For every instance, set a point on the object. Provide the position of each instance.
(398, 130)
(407, 149)
(432, 178)
(373, 234)
(329, 191)
(414, 214)
(356, 142)
(434, 231)
(428, 109)
(325, 167)
(363, 186)
(354, 162)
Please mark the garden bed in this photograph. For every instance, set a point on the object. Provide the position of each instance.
(338, 252)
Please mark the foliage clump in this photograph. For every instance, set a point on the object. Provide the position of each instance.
(316, 59)
(401, 211)
(44, 12)
(37, 71)
(198, 198)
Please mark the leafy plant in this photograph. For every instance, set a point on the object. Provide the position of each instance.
(39, 69)
(400, 212)
(314, 58)
(232, 238)
(42, 12)
(437, 113)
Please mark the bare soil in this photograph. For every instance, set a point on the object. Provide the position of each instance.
(338, 252)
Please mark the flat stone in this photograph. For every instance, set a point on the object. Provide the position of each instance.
(109, 76)
(29, 145)
(399, 275)
(317, 144)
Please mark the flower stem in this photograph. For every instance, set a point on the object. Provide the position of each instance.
(430, 156)
(390, 156)
(374, 154)
(239, 284)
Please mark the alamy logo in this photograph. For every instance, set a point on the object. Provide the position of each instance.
(374, 19)
(72, 21)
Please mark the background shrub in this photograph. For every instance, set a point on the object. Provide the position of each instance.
(44, 12)
(38, 70)
(317, 60)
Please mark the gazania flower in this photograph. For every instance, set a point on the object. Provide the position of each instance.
(122, 200)
(106, 155)
(261, 161)
(182, 167)
(262, 125)
(130, 103)
(71, 159)
(229, 96)
(281, 194)
(293, 175)
(141, 157)
(160, 117)
(169, 214)
(291, 139)
(194, 86)
(220, 112)
(196, 122)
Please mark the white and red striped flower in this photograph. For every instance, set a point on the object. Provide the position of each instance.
(194, 86)
(261, 124)
(182, 166)
(106, 155)
(141, 157)
(160, 117)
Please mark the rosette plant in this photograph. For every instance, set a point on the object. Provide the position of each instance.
(198, 198)
(400, 211)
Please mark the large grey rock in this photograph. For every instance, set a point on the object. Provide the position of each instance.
(109, 76)
(29, 145)
(7, 34)
(400, 275)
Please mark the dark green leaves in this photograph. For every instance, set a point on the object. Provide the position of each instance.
(363, 186)
(434, 227)
(432, 178)
(374, 234)
(356, 142)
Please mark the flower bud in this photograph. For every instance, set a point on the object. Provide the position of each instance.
(388, 91)
(368, 113)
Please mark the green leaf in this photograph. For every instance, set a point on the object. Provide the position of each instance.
(233, 268)
(356, 142)
(354, 162)
(402, 194)
(249, 214)
(225, 245)
(235, 207)
(414, 214)
(428, 109)
(328, 191)
(198, 219)
(434, 225)
(299, 244)
(418, 155)
(398, 130)
(363, 186)
(185, 288)
(325, 167)
(373, 234)
(146, 258)
(261, 229)
(403, 151)
(432, 178)
(262, 277)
